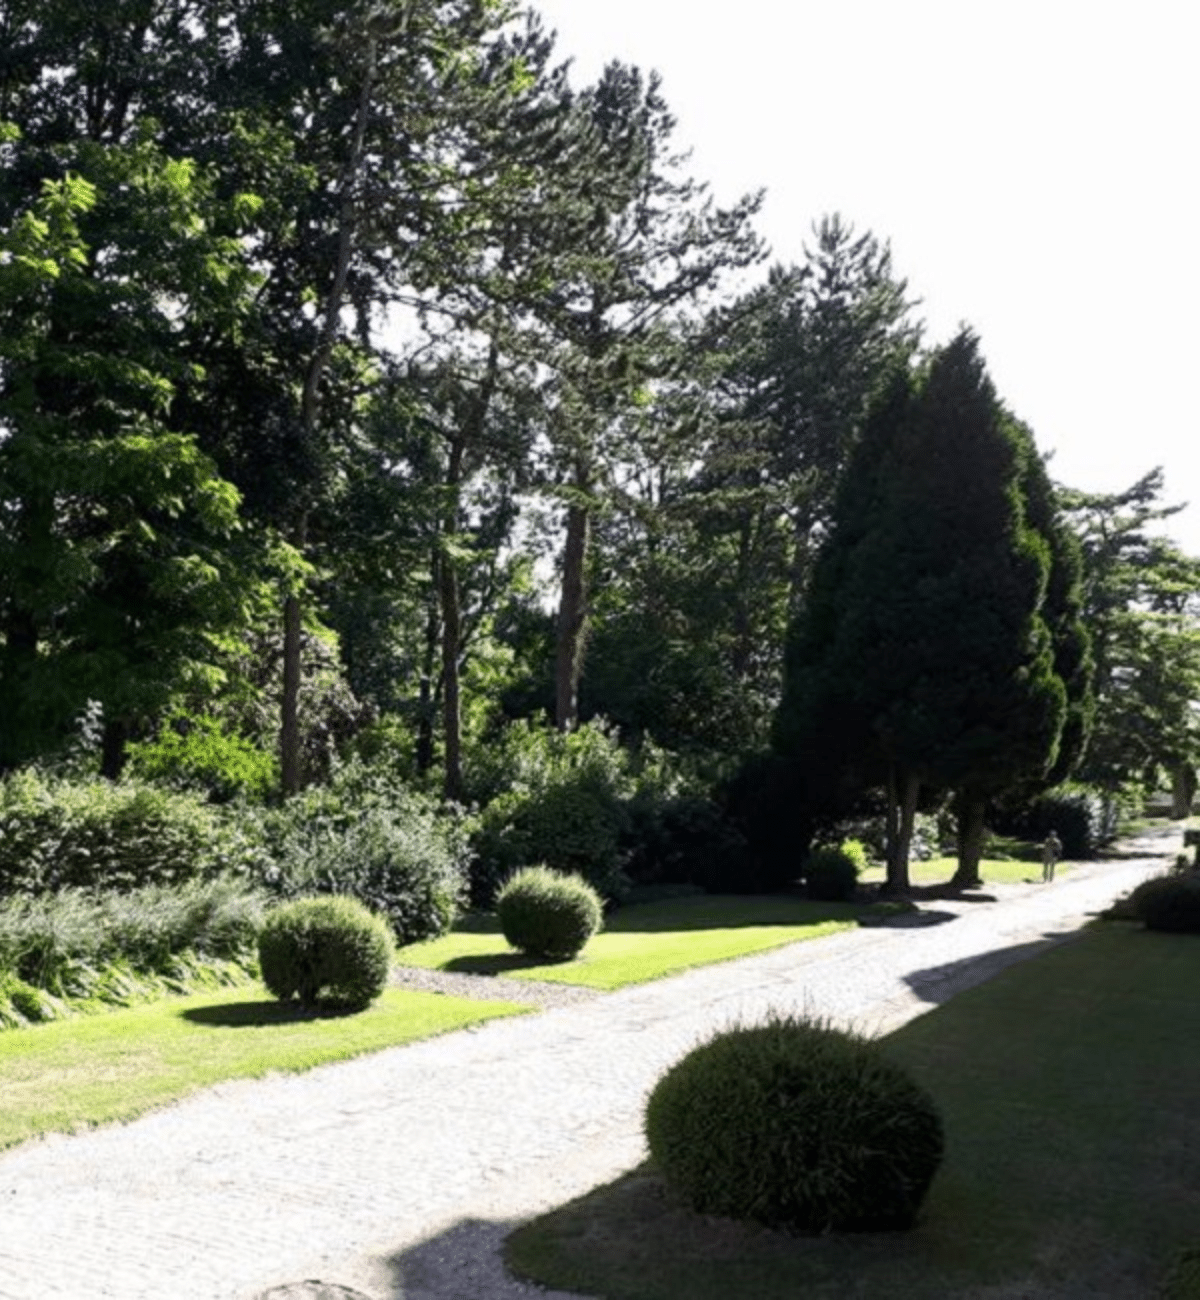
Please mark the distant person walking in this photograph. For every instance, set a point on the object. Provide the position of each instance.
(1051, 852)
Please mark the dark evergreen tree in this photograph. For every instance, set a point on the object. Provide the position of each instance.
(925, 658)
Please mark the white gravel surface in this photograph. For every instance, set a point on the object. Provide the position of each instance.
(398, 1175)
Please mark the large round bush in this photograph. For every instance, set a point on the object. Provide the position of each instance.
(795, 1125)
(544, 913)
(1170, 903)
(831, 872)
(329, 948)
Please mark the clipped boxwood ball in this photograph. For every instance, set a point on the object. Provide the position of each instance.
(1170, 903)
(329, 948)
(795, 1125)
(544, 913)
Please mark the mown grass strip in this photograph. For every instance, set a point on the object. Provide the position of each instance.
(643, 941)
(1068, 1086)
(61, 1076)
(998, 871)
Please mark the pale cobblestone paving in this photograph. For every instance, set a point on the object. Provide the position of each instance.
(398, 1174)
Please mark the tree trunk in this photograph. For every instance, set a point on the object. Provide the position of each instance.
(572, 617)
(1183, 791)
(970, 810)
(742, 645)
(291, 766)
(451, 697)
(112, 749)
(903, 791)
(427, 707)
(291, 774)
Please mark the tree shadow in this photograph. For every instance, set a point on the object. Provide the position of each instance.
(465, 1259)
(937, 984)
(499, 963)
(251, 1015)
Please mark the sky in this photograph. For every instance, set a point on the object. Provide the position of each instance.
(1034, 165)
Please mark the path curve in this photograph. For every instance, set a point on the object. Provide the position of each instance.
(397, 1175)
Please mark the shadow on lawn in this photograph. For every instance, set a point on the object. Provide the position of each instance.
(937, 984)
(498, 963)
(246, 1015)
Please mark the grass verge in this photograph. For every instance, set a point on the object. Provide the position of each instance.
(62, 1076)
(1068, 1087)
(644, 940)
(996, 871)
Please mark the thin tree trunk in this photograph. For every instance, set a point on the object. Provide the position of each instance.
(112, 749)
(970, 808)
(291, 767)
(448, 591)
(291, 774)
(572, 617)
(741, 615)
(903, 791)
(428, 706)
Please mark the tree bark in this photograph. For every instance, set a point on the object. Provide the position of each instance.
(1183, 791)
(291, 774)
(970, 809)
(427, 707)
(112, 749)
(903, 791)
(572, 617)
(448, 591)
(290, 762)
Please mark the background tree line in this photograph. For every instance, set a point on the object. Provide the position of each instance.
(367, 387)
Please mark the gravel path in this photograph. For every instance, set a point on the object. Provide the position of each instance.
(399, 1174)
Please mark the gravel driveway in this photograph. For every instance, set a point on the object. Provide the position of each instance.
(398, 1174)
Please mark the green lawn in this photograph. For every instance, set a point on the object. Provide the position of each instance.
(90, 1070)
(643, 941)
(1068, 1085)
(1000, 871)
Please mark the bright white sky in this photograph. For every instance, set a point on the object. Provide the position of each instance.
(1034, 164)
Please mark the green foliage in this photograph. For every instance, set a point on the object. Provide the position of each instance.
(544, 913)
(683, 839)
(831, 872)
(332, 946)
(1079, 817)
(203, 754)
(74, 944)
(793, 1124)
(119, 568)
(924, 655)
(389, 847)
(1183, 1279)
(58, 833)
(566, 805)
(1169, 903)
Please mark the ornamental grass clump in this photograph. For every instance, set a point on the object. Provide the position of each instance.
(795, 1125)
(544, 913)
(330, 949)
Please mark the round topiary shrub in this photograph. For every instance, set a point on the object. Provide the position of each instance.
(831, 873)
(797, 1125)
(1170, 903)
(329, 948)
(544, 913)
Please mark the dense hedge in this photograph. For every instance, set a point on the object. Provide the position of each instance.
(388, 847)
(57, 834)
